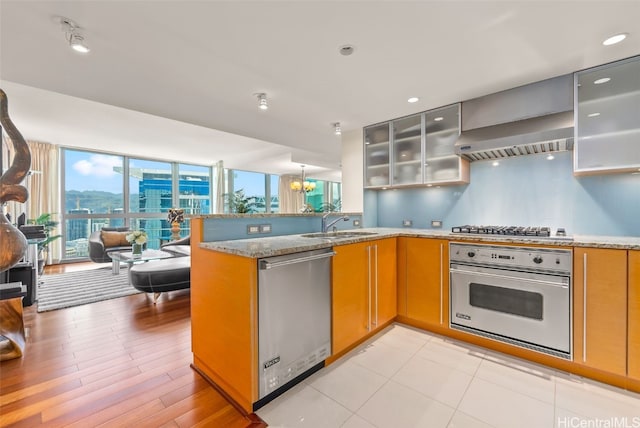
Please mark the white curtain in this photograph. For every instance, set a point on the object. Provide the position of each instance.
(43, 184)
(44, 189)
(291, 201)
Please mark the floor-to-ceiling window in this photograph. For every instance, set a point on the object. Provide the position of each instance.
(112, 190)
(335, 196)
(93, 197)
(325, 196)
(194, 192)
(98, 195)
(251, 192)
(150, 193)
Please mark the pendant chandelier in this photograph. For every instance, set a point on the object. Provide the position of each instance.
(303, 185)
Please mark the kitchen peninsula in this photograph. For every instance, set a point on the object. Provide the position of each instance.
(414, 265)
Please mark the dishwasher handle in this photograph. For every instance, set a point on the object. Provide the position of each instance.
(264, 264)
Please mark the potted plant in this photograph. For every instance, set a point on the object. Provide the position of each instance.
(241, 204)
(137, 238)
(49, 224)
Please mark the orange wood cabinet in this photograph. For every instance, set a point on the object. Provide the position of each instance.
(224, 308)
(363, 290)
(600, 309)
(633, 356)
(423, 280)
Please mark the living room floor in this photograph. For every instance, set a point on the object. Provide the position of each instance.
(404, 377)
(119, 362)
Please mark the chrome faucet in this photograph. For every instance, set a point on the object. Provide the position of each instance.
(325, 226)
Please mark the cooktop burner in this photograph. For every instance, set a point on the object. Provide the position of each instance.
(520, 231)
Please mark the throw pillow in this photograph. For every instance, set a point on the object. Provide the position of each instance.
(114, 239)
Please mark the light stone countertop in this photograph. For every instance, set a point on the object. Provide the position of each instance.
(269, 215)
(287, 244)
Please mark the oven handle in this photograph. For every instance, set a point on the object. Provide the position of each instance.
(492, 275)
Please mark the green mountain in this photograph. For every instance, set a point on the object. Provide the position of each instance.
(98, 202)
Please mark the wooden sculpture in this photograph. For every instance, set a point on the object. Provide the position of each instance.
(13, 244)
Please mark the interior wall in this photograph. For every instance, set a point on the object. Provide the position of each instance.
(352, 171)
(524, 191)
(231, 227)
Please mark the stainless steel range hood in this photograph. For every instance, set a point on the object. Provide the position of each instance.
(551, 133)
(531, 119)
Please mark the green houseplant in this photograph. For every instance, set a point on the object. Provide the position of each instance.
(46, 220)
(239, 203)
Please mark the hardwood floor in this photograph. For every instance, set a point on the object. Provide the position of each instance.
(121, 362)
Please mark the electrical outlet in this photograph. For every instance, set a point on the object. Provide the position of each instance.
(253, 229)
(356, 223)
(407, 223)
(265, 228)
(436, 224)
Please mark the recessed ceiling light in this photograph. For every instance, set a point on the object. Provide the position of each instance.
(615, 39)
(438, 119)
(601, 81)
(347, 50)
(550, 157)
(495, 163)
(413, 100)
(593, 115)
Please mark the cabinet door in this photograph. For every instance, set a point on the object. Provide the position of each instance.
(634, 315)
(607, 126)
(407, 150)
(600, 309)
(427, 280)
(384, 281)
(350, 295)
(441, 130)
(377, 159)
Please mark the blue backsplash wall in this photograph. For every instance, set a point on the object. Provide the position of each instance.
(526, 191)
(222, 228)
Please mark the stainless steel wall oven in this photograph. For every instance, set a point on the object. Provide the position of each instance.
(517, 295)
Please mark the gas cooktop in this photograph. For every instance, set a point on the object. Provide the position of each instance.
(519, 231)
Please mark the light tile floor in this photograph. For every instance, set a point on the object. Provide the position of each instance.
(404, 377)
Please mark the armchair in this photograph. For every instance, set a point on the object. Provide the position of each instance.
(105, 240)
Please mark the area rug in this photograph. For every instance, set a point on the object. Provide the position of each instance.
(79, 288)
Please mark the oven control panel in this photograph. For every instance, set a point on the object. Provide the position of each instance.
(517, 257)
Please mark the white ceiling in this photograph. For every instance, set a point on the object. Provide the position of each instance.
(200, 62)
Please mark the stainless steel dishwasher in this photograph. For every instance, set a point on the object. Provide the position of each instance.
(294, 319)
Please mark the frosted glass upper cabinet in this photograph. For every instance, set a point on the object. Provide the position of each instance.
(407, 150)
(377, 159)
(441, 131)
(607, 131)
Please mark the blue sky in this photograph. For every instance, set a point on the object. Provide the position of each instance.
(92, 171)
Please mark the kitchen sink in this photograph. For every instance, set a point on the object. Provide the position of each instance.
(338, 235)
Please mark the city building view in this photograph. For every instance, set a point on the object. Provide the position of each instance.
(104, 190)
